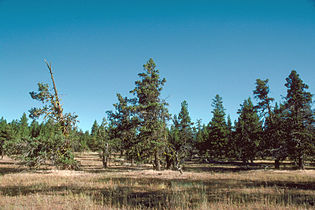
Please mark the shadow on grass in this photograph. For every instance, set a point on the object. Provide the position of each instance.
(7, 170)
(160, 193)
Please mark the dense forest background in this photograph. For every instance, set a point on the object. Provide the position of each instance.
(141, 129)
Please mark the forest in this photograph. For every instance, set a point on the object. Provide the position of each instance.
(143, 131)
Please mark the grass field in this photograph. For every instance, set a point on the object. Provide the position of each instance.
(201, 186)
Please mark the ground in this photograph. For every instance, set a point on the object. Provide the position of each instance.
(201, 186)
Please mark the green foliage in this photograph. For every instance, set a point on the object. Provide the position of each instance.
(217, 140)
(180, 138)
(152, 114)
(262, 94)
(299, 119)
(248, 132)
(123, 126)
(51, 109)
(59, 121)
(272, 139)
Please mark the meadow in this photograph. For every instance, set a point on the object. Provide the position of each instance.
(121, 186)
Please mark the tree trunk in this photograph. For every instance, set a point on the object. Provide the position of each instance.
(105, 161)
(157, 161)
(301, 163)
(105, 156)
(168, 162)
(277, 163)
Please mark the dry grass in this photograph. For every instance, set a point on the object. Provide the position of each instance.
(202, 186)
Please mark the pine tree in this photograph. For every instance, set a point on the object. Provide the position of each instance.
(3, 135)
(152, 114)
(92, 143)
(181, 137)
(248, 132)
(52, 110)
(271, 139)
(122, 128)
(262, 95)
(231, 145)
(275, 135)
(299, 119)
(217, 139)
(23, 126)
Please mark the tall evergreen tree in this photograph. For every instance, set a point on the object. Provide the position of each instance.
(271, 140)
(299, 119)
(231, 145)
(248, 132)
(217, 130)
(152, 113)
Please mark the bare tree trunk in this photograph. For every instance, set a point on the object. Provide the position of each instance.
(105, 161)
(277, 163)
(301, 163)
(157, 161)
(57, 104)
(105, 156)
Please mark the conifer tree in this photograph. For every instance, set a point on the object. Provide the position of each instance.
(3, 135)
(231, 145)
(61, 123)
(248, 132)
(92, 143)
(181, 137)
(300, 141)
(23, 126)
(152, 114)
(122, 128)
(217, 139)
(271, 139)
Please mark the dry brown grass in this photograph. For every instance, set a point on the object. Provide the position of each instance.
(202, 186)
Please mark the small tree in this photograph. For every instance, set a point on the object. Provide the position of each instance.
(248, 132)
(180, 138)
(122, 128)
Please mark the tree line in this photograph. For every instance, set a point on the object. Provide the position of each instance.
(141, 129)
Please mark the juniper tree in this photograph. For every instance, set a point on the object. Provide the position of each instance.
(152, 113)
(299, 119)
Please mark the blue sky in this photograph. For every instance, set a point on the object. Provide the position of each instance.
(201, 47)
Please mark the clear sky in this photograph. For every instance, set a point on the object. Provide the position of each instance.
(201, 47)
